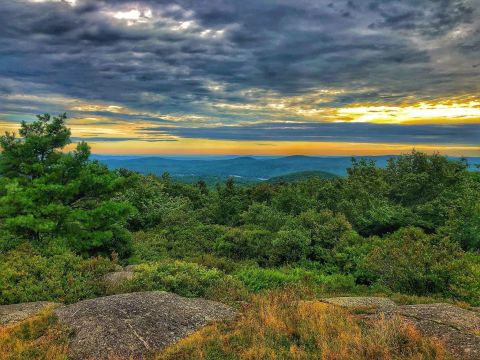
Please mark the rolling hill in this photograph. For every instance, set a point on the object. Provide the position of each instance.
(301, 175)
(245, 169)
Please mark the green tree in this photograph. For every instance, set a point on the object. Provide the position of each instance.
(227, 203)
(38, 149)
(427, 185)
(463, 223)
(47, 195)
(364, 200)
(264, 216)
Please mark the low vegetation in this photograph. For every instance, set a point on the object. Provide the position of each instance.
(40, 337)
(186, 279)
(278, 326)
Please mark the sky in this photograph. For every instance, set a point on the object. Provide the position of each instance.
(264, 77)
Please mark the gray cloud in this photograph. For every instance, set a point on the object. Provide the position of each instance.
(382, 51)
(350, 132)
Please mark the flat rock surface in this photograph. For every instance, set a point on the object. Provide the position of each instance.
(457, 328)
(361, 301)
(135, 324)
(447, 314)
(18, 312)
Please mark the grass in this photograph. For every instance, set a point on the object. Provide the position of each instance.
(275, 325)
(39, 337)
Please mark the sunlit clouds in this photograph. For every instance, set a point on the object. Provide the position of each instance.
(69, 2)
(133, 16)
(250, 77)
(442, 112)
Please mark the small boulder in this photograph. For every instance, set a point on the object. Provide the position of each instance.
(136, 324)
(18, 312)
(114, 280)
(130, 268)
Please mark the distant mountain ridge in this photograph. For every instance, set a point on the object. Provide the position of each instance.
(301, 175)
(243, 168)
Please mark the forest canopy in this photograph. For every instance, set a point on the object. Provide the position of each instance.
(411, 227)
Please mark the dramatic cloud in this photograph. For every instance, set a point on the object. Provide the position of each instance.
(210, 68)
(356, 132)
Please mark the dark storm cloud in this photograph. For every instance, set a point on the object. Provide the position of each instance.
(171, 56)
(345, 132)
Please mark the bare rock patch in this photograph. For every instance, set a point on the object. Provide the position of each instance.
(458, 329)
(18, 312)
(361, 301)
(136, 324)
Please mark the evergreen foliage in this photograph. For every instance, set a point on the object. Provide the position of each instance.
(411, 227)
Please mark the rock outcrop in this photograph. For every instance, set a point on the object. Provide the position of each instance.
(136, 324)
(360, 301)
(458, 329)
(133, 325)
(18, 312)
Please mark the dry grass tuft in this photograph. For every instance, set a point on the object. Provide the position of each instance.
(278, 326)
(39, 337)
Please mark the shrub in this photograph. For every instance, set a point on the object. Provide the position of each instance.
(210, 261)
(290, 245)
(265, 216)
(466, 279)
(148, 246)
(256, 279)
(186, 279)
(190, 239)
(28, 276)
(413, 262)
(245, 243)
(326, 229)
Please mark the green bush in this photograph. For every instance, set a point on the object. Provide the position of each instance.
(28, 276)
(257, 279)
(412, 262)
(148, 246)
(465, 284)
(245, 243)
(264, 216)
(326, 229)
(290, 245)
(186, 279)
(210, 261)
